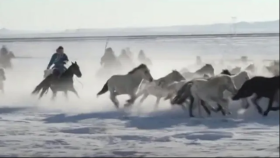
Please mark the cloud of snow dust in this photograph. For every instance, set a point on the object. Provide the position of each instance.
(28, 73)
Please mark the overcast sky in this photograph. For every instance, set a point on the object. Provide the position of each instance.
(73, 14)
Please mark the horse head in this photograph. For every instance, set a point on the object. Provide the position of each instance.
(226, 72)
(143, 71)
(75, 69)
(141, 54)
(250, 67)
(244, 92)
(177, 76)
(207, 68)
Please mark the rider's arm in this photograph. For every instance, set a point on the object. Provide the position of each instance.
(66, 58)
(51, 61)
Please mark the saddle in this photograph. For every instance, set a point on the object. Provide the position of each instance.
(54, 72)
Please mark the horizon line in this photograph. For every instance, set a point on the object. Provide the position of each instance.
(64, 30)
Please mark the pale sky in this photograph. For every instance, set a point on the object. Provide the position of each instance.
(73, 14)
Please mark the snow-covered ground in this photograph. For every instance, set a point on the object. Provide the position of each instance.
(91, 126)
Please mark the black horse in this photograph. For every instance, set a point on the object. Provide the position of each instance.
(63, 83)
(262, 87)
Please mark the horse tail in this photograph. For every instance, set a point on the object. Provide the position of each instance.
(182, 94)
(44, 84)
(104, 89)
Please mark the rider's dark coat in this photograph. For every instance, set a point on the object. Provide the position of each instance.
(59, 60)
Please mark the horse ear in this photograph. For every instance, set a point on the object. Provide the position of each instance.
(72, 62)
(75, 62)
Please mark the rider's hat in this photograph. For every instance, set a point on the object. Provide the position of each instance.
(60, 47)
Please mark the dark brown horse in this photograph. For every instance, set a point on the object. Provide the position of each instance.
(62, 83)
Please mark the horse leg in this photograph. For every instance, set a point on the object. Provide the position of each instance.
(145, 95)
(269, 106)
(205, 108)
(130, 101)
(66, 95)
(114, 99)
(157, 102)
(53, 94)
(223, 103)
(245, 102)
(72, 89)
(219, 108)
(44, 90)
(197, 103)
(255, 102)
(191, 106)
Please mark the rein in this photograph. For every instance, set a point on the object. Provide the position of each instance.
(80, 82)
(76, 77)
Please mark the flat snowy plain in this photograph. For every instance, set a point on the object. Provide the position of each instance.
(91, 126)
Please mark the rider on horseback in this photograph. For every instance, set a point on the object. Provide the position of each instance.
(4, 50)
(59, 59)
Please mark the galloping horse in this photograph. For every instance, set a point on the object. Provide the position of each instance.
(110, 64)
(158, 88)
(126, 84)
(63, 83)
(5, 59)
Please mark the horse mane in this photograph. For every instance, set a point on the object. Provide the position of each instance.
(226, 72)
(69, 68)
(169, 74)
(141, 66)
(204, 67)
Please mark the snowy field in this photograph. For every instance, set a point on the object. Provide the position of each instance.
(91, 126)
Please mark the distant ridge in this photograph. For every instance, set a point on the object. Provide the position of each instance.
(218, 28)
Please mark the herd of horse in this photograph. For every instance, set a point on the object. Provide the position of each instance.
(202, 88)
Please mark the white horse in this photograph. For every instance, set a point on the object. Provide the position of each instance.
(2, 79)
(174, 87)
(273, 68)
(251, 68)
(212, 89)
(238, 79)
(207, 69)
(158, 87)
(235, 70)
(126, 84)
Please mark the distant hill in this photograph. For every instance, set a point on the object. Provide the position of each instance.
(221, 28)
